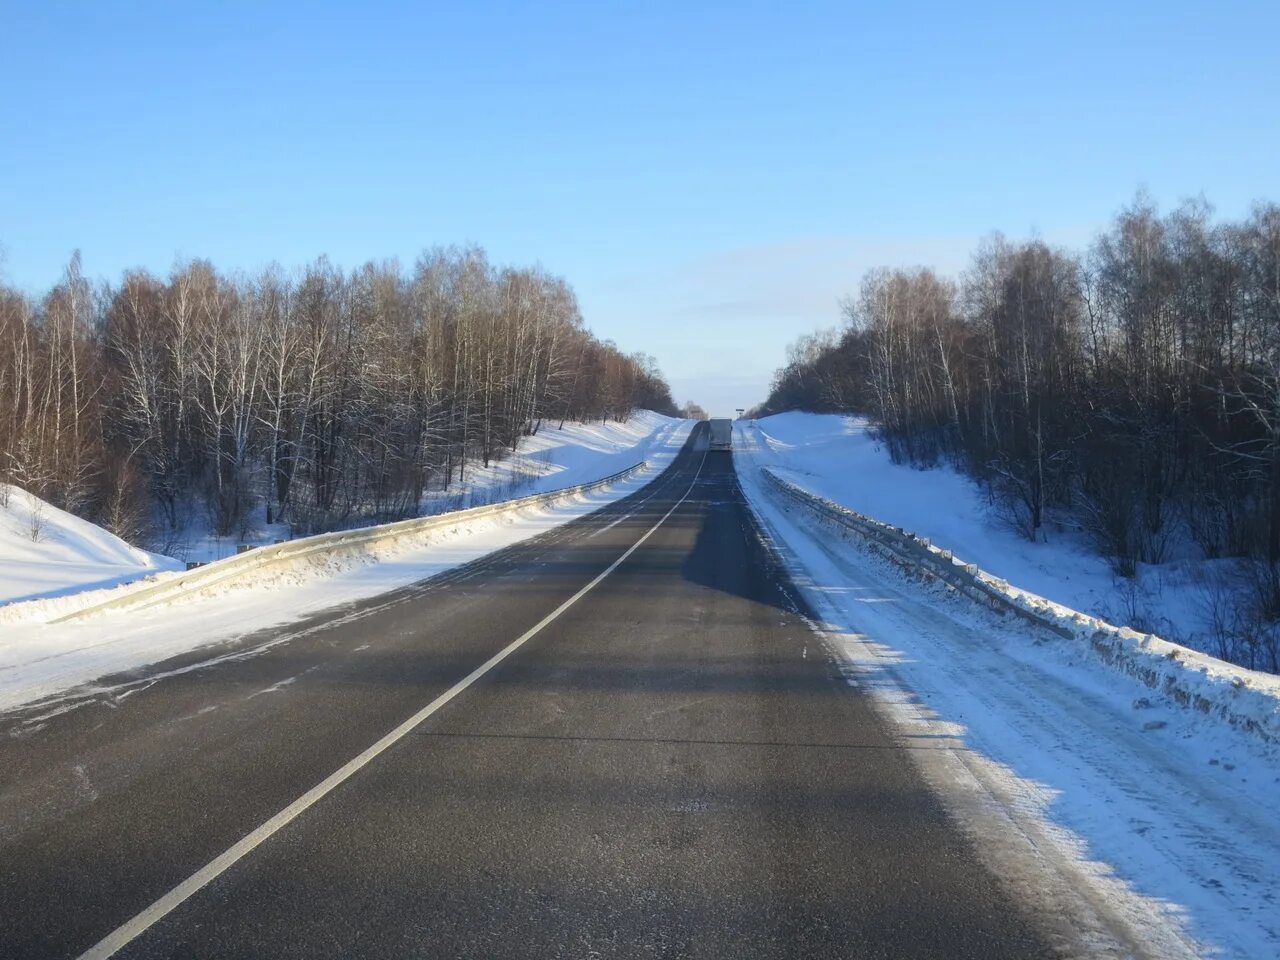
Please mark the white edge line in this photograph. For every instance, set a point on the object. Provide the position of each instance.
(131, 929)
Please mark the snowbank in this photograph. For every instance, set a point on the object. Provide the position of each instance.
(326, 554)
(47, 553)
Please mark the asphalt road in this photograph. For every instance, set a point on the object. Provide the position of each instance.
(667, 766)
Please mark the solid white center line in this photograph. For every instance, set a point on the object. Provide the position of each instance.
(127, 932)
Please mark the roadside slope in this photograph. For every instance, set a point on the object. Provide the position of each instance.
(557, 456)
(46, 552)
(1202, 603)
(838, 457)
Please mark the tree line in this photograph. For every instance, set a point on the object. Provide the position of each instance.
(323, 398)
(1132, 389)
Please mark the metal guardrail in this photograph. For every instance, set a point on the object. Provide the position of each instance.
(915, 553)
(223, 572)
(1120, 647)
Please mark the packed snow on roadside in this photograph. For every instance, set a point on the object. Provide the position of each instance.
(39, 660)
(1090, 793)
(47, 553)
(839, 458)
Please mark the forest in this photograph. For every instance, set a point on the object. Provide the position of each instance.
(318, 398)
(1131, 390)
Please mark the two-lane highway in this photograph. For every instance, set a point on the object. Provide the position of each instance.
(620, 739)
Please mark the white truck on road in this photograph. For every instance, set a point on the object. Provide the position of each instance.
(721, 434)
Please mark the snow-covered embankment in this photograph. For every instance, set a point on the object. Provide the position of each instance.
(48, 555)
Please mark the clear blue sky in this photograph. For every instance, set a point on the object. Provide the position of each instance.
(711, 177)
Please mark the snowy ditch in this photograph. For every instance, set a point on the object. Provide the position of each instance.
(1247, 699)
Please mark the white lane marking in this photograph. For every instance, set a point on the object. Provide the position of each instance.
(627, 516)
(606, 528)
(129, 931)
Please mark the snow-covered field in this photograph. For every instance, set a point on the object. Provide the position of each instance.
(47, 553)
(1089, 792)
(39, 659)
